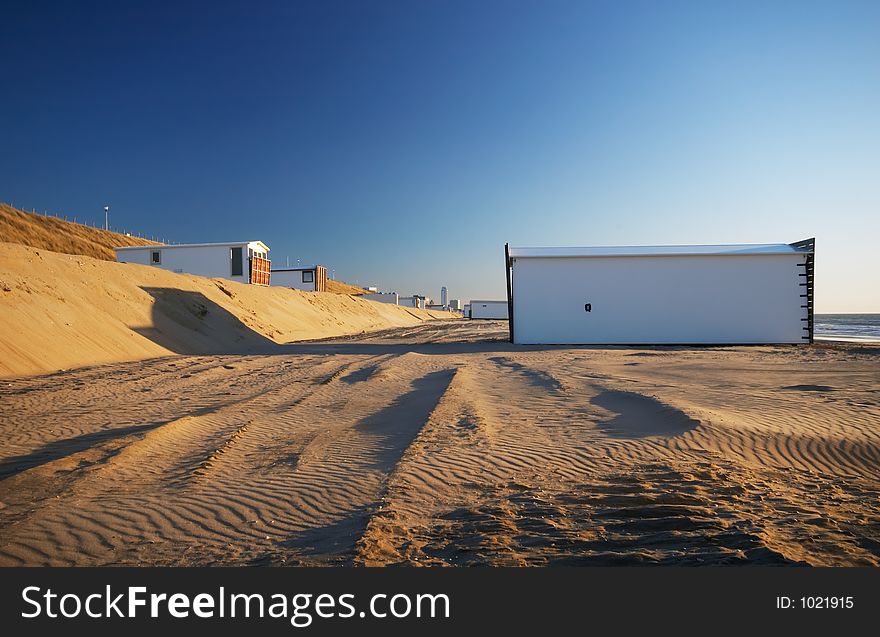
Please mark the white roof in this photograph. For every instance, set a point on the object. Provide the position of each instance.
(195, 245)
(472, 302)
(652, 251)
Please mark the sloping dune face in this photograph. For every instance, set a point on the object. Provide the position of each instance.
(439, 443)
(59, 311)
(58, 235)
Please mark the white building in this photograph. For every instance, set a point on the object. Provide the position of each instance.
(242, 261)
(312, 278)
(455, 304)
(746, 294)
(381, 297)
(411, 301)
(488, 310)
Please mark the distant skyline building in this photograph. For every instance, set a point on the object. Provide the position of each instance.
(444, 296)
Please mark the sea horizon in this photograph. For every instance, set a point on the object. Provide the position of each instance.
(856, 327)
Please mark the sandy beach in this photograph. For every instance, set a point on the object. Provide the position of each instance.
(65, 311)
(441, 444)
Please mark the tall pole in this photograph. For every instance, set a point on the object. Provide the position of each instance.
(106, 217)
(507, 272)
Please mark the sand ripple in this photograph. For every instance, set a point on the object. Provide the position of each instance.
(441, 444)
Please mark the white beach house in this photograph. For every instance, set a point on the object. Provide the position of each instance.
(416, 300)
(488, 310)
(382, 297)
(411, 301)
(746, 294)
(242, 261)
(311, 278)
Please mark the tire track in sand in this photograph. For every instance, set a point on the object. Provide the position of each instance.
(559, 476)
(121, 496)
(148, 502)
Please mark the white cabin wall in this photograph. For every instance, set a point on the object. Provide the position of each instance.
(689, 299)
(292, 279)
(489, 310)
(410, 301)
(209, 261)
(141, 256)
(382, 297)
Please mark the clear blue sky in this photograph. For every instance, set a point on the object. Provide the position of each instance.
(402, 143)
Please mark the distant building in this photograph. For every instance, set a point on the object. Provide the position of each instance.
(455, 304)
(412, 301)
(489, 310)
(311, 278)
(444, 296)
(382, 297)
(242, 261)
(372, 288)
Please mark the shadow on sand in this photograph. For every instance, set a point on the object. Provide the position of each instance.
(391, 430)
(190, 323)
(52, 451)
(640, 416)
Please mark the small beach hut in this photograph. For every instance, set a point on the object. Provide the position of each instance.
(489, 310)
(242, 261)
(381, 297)
(311, 278)
(691, 294)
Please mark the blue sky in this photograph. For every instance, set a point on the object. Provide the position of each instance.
(402, 143)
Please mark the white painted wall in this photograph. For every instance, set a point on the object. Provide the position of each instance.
(410, 301)
(293, 279)
(141, 256)
(212, 261)
(661, 299)
(382, 297)
(489, 309)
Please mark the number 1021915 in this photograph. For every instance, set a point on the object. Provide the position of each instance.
(815, 602)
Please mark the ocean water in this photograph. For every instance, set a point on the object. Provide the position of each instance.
(847, 327)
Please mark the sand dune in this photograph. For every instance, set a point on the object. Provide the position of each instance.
(62, 311)
(440, 443)
(58, 235)
(68, 237)
(339, 287)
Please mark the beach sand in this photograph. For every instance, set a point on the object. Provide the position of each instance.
(63, 311)
(440, 443)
